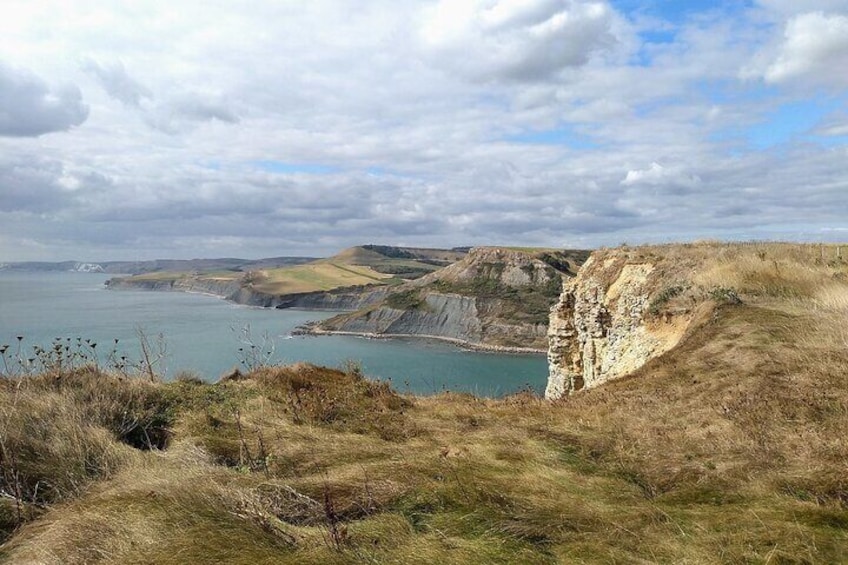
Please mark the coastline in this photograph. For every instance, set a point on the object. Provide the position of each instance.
(309, 329)
(464, 344)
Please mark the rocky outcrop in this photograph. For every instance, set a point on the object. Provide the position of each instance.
(493, 298)
(439, 315)
(625, 307)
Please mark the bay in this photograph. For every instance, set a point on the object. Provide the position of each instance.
(202, 334)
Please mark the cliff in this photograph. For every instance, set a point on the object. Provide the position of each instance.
(492, 298)
(349, 298)
(627, 306)
(353, 279)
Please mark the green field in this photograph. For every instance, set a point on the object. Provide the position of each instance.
(316, 277)
(356, 266)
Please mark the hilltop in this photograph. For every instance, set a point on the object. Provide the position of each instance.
(493, 297)
(353, 277)
(727, 446)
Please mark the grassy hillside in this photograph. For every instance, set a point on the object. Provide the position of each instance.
(729, 449)
(356, 266)
(405, 262)
(324, 275)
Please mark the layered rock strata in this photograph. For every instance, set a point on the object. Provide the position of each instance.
(612, 318)
(494, 298)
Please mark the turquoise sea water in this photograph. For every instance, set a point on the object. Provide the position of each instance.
(202, 335)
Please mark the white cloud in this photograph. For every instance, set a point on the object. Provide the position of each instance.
(188, 110)
(835, 130)
(815, 48)
(787, 8)
(432, 123)
(656, 175)
(516, 41)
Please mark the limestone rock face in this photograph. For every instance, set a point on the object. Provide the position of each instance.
(601, 328)
(492, 298)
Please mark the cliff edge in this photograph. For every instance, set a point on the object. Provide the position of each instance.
(494, 298)
(625, 307)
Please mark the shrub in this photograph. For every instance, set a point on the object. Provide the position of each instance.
(405, 300)
(724, 295)
(661, 299)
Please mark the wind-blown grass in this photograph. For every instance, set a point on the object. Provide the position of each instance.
(728, 449)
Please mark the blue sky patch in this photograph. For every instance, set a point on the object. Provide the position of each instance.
(655, 36)
(830, 140)
(678, 11)
(790, 121)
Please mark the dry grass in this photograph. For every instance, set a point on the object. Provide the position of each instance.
(314, 277)
(729, 449)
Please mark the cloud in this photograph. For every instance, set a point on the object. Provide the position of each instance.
(32, 185)
(512, 40)
(815, 48)
(302, 128)
(176, 111)
(188, 110)
(117, 82)
(29, 107)
(657, 175)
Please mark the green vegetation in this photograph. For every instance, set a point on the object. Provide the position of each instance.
(389, 251)
(314, 277)
(661, 299)
(405, 300)
(405, 271)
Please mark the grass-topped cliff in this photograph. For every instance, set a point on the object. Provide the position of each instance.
(353, 268)
(493, 297)
(728, 448)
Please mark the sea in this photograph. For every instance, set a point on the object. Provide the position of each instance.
(207, 336)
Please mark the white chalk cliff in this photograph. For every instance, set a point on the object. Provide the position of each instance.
(608, 323)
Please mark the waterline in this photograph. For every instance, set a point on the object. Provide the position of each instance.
(201, 333)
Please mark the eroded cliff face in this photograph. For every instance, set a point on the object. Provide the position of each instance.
(439, 315)
(622, 309)
(494, 298)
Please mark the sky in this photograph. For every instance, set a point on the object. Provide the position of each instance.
(154, 129)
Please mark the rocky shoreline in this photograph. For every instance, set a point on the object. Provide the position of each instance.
(313, 330)
(345, 300)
